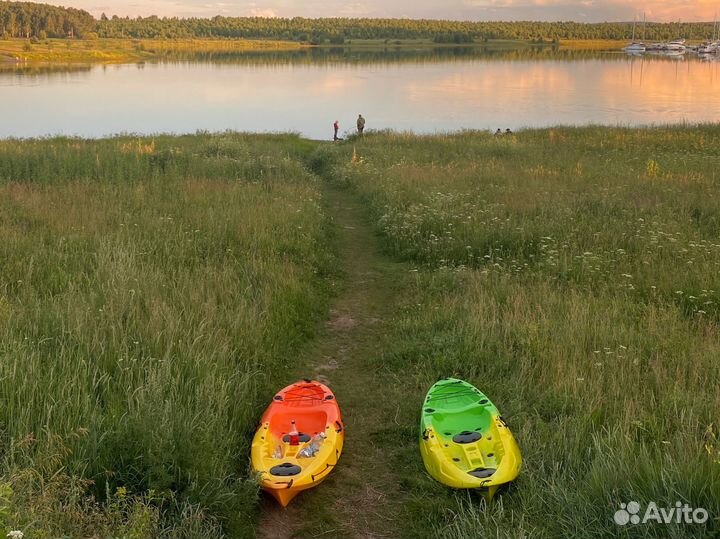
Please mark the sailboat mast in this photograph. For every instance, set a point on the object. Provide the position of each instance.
(644, 25)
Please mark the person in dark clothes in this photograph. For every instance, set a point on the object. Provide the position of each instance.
(360, 124)
(336, 127)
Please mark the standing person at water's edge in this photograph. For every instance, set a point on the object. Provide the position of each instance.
(360, 124)
(336, 127)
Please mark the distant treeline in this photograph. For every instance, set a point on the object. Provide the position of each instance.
(340, 30)
(24, 19)
(28, 20)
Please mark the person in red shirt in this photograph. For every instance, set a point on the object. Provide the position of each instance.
(336, 126)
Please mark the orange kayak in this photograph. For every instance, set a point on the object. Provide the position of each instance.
(286, 465)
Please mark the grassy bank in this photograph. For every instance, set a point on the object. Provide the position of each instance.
(66, 51)
(123, 50)
(573, 275)
(152, 292)
(592, 44)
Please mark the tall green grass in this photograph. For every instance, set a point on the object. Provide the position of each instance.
(152, 291)
(573, 275)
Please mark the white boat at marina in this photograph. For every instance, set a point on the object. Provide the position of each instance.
(655, 47)
(674, 48)
(709, 48)
(635, 47)
(677, 45)
(712, 46)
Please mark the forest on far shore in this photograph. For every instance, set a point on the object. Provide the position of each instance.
(41, 21)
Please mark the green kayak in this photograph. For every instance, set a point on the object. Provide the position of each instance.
(464, 441)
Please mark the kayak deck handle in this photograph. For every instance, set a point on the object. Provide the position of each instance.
(323, 471)
(328, 466)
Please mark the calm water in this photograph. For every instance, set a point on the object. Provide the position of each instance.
(423, 91)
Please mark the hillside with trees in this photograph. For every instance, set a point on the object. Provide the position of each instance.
(339, 30)
(28, 20)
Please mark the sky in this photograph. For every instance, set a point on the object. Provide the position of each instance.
(577, 10)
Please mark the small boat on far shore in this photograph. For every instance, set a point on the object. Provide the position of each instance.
(673, 49)
(635, 47)
(677, 45)
(654, 47)
(713, 45)
(709, 48)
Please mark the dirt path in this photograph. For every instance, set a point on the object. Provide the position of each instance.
(360, 498)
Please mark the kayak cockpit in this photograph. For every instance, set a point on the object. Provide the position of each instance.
(464, 441)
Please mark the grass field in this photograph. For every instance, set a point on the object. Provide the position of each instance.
(154, 292)
(592, 44)
(573, 275)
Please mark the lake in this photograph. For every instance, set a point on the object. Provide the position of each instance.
(423, 90)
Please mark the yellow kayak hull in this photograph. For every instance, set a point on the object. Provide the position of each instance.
(464, 442)
(281, 470)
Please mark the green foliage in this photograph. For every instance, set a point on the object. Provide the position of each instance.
(152, 293)
(23, 19)
(576, 284)
(28, 19)
(297, 29)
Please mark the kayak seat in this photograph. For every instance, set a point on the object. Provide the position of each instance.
(308, 421)
(285, 470)
(467, 437)
(443, 409)
(474, 419)
(482, 473)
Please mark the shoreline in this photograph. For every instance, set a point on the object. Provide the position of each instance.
(118, 51)
(377, 133)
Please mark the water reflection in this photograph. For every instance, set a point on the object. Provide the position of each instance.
(40, 70)
(380, 55)
(405, 54)
(423, 90)
(346, 55)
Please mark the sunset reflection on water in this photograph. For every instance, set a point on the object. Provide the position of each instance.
(426, 95)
